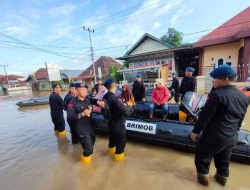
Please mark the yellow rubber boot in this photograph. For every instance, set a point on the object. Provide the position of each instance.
(119, 157)
(86, 159)
(56, 132)
(62, 134)
(112, 151)
(182, 116)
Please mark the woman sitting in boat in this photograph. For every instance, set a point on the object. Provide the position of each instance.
(102, 90)
(127, 96)
(99, 96)
(159, 99)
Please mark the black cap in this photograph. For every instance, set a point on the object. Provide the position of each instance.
(109, 82)
(138, 75)
(56, 86)
(81, 85)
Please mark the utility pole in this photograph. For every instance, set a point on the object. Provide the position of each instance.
(91, 49)
(4, 67)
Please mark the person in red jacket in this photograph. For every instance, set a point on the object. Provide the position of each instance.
(159, 99)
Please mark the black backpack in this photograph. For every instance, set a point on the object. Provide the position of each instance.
(106, 110)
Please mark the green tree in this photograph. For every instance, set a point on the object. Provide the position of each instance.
(126, 64)
(172, 37)
(113, 73)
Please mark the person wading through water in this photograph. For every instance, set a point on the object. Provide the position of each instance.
(220, 120)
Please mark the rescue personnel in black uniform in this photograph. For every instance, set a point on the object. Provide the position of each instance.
(80, 112)
(117, 135)
(139, 89)
(176, 86)
(188, 82)
(67, 99)
(219, 121)
(56, 111)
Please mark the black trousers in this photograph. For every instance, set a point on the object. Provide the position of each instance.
(74, 136)
(176, 96)
(207, 151)
(59, 124)
(117, 136)
(86, 137)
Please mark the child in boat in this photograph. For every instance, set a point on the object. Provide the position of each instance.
(127, 96)
(159, 99)
(93, 93)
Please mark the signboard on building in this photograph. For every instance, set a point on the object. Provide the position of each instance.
(53, 72)
(99, 72)
(151, 63)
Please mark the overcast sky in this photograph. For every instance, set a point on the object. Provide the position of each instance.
(51, 30)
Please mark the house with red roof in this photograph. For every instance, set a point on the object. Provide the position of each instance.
(12, 80)
(102, 65)
(227, 44)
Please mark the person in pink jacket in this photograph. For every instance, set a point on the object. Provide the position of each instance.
(159, 99)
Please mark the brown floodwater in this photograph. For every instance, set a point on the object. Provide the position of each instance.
(31, 157)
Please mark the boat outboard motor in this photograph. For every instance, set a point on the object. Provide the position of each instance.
(193, 104)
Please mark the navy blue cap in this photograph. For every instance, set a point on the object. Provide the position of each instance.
(98, 78)
(138, 75)
(72, 85)
(109, 82)
(81, 85)
(55, 86)
(190, 69)
(173, 72)
(222, 72)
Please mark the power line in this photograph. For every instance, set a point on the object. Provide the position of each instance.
(65, 47)
(91, 48)
(67, 36)
(21, 44)
(110, 18)
(33, 46)
(126, 13)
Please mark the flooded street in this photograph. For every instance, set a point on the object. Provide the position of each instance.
(31, 157)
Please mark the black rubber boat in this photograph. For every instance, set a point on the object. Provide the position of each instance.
(33, 101)
(171, 132)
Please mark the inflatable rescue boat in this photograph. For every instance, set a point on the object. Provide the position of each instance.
(174, 132)
(33, 101)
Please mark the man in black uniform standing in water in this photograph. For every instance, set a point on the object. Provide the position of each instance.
(139, 89)
(188, 82)
(176, 86)
(56, 111)
(116, 123)
(80, 112)
(67, 99)
(220, 120)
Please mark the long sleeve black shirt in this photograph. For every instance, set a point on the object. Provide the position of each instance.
(222, 116)
(56, 105)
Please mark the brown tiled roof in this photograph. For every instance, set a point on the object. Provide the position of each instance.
(232, 30)
(3, 79)
(104, 63)
(41, 74)
(11, 77)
